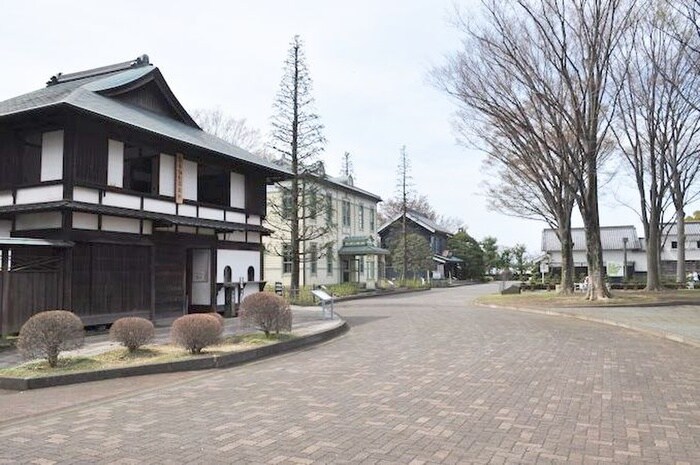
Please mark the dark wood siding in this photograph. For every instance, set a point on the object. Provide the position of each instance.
(8, 159)
(255, 193)
(149, 97)
(91, 152)
(170, 277)
(110, 279)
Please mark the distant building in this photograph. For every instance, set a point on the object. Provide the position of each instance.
(351, 253)
(614, 248)
(444, 263)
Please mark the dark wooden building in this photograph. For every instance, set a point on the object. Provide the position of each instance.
(113, 201)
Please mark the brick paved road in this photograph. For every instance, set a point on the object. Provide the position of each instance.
(424, 378)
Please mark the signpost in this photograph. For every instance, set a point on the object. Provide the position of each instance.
(326, 302)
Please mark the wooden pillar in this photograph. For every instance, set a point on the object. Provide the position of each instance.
(67, 298)
(5, 299)
(153, 283)
(212, 281)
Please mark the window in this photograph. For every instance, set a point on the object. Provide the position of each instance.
(361, 265)
(370, 268)
(286, 204)
(329, 209)
(213, 185)
(697, 244)
(329, 260)
(361, 216)
(674, 244)
(313, 207)
(313, 258)
(371, 220)
(346, 213)
(286, 258)
(138, 168)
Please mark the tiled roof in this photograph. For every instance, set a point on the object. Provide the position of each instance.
(419, 219)
(610, 238)
(85, 94)
(692, 229)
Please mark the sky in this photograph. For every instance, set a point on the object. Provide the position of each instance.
(369, 60)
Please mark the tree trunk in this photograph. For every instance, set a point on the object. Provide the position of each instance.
(680, 229)
(567, 259)
(653, 250)
(594, 250)
(294, 227)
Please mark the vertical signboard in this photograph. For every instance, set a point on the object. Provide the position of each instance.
(179, 174)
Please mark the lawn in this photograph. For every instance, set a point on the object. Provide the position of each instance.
(150, 354)
(550, 299)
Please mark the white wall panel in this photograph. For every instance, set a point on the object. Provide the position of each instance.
(40, 194)
(122, 200)
(236, 236)
(44, 220)
(254, 219)
(159, 206)
(235, 217)
(237, 190)
(187, 210)
(239, 261)
(166, 175)
(85, 221)
(115, 164)
(6, 198)
(52, 156)
(211, 213)
(189, 180)
(83, 194)
(147, 227)
(254, 237)
(119, 224)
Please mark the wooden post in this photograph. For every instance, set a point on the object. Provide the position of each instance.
(153, 283)
(5, 300)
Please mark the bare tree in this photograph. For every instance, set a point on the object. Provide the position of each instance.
(347, 168)
(393, 207)
(297, 138)
(233, 130)
(405, 189)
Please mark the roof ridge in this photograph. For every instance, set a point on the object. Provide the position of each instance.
(60, 78)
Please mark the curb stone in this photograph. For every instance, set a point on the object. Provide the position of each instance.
(206, 362)
(662, 334)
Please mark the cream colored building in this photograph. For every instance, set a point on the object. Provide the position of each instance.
(347, 252)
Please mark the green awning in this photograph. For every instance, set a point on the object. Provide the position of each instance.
(362, 250)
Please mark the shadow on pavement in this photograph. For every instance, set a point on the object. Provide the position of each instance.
(361, 320)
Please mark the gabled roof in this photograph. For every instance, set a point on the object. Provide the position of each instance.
(611, 238)
(417, 218)
(346, 183)
(97, 91)
(692, 230)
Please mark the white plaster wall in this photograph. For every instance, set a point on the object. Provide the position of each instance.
(6, 198)
(236, 236)
(211, 213)
(239, 261)
(189, 180)
(187, 210)
(119, 224)
(166, 175)
(159, 206)
(147, 227)
(52, 156)
(201, 277)
(235, 217)
(85, 221)
(254, 219)
(237, 190)
(633, 256)
(122, 200)
(5, 228)
(40, 194)
(44, 220)
(254, 237)
(83, 194)
(115, 163)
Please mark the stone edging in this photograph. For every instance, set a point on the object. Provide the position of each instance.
(380, 294)
(605, 321)
(203, 363)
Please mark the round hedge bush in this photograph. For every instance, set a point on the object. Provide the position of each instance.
(196, 331)
(266, 311)
(132, 332)
(47, 334)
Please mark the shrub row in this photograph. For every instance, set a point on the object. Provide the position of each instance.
(47, 334)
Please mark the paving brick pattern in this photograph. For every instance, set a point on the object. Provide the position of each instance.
(420, 379)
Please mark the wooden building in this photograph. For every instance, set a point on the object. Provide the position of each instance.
(114, 202)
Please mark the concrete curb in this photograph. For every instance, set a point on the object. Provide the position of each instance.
(203, 363)
(381, 294)
(605, 321)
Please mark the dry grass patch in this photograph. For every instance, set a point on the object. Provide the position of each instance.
(147, 355)
(549, 299)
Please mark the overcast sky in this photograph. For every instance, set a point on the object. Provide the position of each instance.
(369, 61)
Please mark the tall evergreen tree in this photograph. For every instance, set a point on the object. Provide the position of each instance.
(297, 138)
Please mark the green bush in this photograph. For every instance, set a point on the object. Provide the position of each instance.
(266, 311)
(343, 289)
(196, 331)
(132, 332)
(47, 334)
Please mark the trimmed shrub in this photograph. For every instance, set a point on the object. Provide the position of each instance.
(47, 334)
(132, 332)
(266, 311)
(196, 331)
(218, 318)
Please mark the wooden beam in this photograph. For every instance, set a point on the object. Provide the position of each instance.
(5, 300)
(153, 283)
